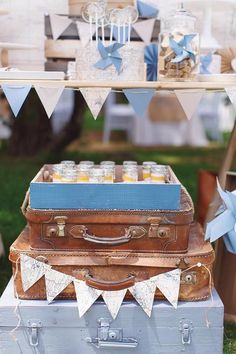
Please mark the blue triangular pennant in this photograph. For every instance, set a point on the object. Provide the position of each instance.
(124, 33)
(16, 96)
(139, 99)
(146, 10)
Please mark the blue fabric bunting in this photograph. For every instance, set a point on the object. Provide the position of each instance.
(225, 223)
(183, 48)
(150, 58)
(109, 56)
(146, 10)
(205, 61)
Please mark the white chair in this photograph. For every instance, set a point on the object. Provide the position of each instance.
(117, 117)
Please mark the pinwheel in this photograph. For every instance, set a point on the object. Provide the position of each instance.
(225, 222)
(150, 58)
(183, 48)
(205, 62)
(109, 56)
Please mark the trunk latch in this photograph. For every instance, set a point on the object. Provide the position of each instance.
(110, 337)
(186, 327)
(33, 328)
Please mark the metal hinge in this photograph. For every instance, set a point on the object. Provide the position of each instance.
(110, 337)
(186, 327)
(33, 329)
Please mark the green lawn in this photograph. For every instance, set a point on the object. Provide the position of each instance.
(15, 175)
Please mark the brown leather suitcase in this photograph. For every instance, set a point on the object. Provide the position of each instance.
(119, 270)
(109, 230)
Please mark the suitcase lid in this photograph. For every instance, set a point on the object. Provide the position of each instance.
(199, 251)
(179, 217)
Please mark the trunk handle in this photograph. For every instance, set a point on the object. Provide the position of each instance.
(110, 285)
(131, 232)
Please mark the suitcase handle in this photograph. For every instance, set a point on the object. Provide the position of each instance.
(110, 285)
(131, 232)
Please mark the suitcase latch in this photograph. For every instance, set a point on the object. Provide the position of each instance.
(33, 329)
(186, 327)
(61, 223)
(110, 337)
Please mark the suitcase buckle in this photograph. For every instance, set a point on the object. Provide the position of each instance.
(186, 327)
(110, 337)
(61, 223)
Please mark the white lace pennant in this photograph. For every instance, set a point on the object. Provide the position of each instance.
(85, 296)
(49, 96)
(169, 284)
(56, 282)
(113, 300)
(85, 31)
(59, 24)
(231, 92)
(31, 271)
(189, 100)
(95, 98)
(144, 293)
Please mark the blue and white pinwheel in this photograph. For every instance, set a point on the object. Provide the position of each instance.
(183, 49)
(205, 61)
(150, 58)
(109, 56)
(225, 222)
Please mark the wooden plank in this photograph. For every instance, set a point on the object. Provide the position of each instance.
(158, 85)
(62, 48)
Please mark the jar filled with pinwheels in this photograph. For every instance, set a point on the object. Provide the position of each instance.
(178, 47)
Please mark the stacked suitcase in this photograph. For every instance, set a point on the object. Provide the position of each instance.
(115, 249)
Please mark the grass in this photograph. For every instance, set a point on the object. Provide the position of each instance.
(15, 175)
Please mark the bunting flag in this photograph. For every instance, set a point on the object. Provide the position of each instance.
(169, 284)
(56, 282)
(85, 296)
(145, 29)
(31, 271)
(231, 92)
(16, 96)
(146, 10)
(59, 24)
(49, 96)
(113, 300)
(189, 100)
(95, 98)
(139, 99)
(144, 292)
(85, 31)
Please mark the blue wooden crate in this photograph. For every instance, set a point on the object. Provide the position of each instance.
(192, 328)
(124, 196)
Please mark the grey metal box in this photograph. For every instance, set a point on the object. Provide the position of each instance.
(57, 328)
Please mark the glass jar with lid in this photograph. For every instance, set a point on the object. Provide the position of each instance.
(178, 47)
(96, 175)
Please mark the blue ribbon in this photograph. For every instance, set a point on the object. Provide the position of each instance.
(225, 223)
(150, 58)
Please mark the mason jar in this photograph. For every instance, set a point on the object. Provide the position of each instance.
(179, 49)
(96, 175)
(130, 174)
(57, 172)
(130, 163)
(83, 172)
(69, 175)
(147, 169)
(68, 163)
(157, 175)
(87, 163)
(109, 173)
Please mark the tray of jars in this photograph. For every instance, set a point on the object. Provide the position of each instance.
(107, 186)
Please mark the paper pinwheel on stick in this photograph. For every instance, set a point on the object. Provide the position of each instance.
(109, 56)
(183, 49)
(205, 61)
(150, 58)
(225, 222)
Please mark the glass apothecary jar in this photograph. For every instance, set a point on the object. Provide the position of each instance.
(179, 47)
